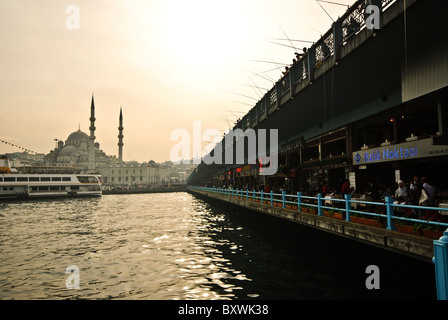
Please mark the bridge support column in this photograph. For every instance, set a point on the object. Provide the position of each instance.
(310, 63)
(337, 38)
(440, 261)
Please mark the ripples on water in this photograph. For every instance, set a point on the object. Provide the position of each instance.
(167, 246)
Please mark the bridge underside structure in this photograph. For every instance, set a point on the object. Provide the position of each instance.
(355, 91)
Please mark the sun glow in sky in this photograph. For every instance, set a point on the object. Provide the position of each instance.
(167, 63)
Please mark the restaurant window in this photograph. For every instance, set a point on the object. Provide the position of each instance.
(334, 148)
(311, 153)
(376, 133)
(420, 123)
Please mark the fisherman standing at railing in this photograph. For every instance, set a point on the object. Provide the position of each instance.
(430, 190)
(427, 199)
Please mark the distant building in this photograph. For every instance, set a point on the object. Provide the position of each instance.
(178, 173)
(81, 151)
(25, 159)
(134, 174)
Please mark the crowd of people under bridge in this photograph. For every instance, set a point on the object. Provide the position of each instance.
(418, 192)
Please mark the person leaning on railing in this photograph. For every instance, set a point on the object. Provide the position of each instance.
(426, 199)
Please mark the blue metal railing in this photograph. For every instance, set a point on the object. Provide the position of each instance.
(284, 200)
(348, 206)
(440, 261)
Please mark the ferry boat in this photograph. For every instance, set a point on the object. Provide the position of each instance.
(44, 182)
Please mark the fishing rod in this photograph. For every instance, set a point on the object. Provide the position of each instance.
(280, 44)
(247, 104)
(336, 3)
(324, 10)
(257, 86)
(294, 40)
(295, 49)
(260, 75)
(264, 61)
(243, 95)
(260, 94)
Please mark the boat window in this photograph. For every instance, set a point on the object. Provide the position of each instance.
(87, 179)
(45, 179)
(5, 189)
(56, 179)
(54, 188)
(62, 187)
(34, 178)
(1, 179)
(10, 179)
(43, 188)
(66, 179)
(34, 188)
(22, 178)
(75, 187)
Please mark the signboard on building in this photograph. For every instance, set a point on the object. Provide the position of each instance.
(416, 149)
(292, 145)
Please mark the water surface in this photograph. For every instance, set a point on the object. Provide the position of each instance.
(178, 246)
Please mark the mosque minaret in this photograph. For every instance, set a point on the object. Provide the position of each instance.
(120, 138)
(92, 137)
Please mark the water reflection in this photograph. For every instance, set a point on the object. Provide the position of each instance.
(163, 246)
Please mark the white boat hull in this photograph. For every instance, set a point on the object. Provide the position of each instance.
(36, 186)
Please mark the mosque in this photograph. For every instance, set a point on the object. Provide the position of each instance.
(81, 151)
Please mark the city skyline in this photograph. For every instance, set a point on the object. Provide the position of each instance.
(165, 63)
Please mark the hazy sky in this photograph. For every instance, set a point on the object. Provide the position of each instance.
(167, 63)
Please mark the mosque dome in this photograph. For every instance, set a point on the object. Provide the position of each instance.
(84, 156)
(78, 136)
(68, 150)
